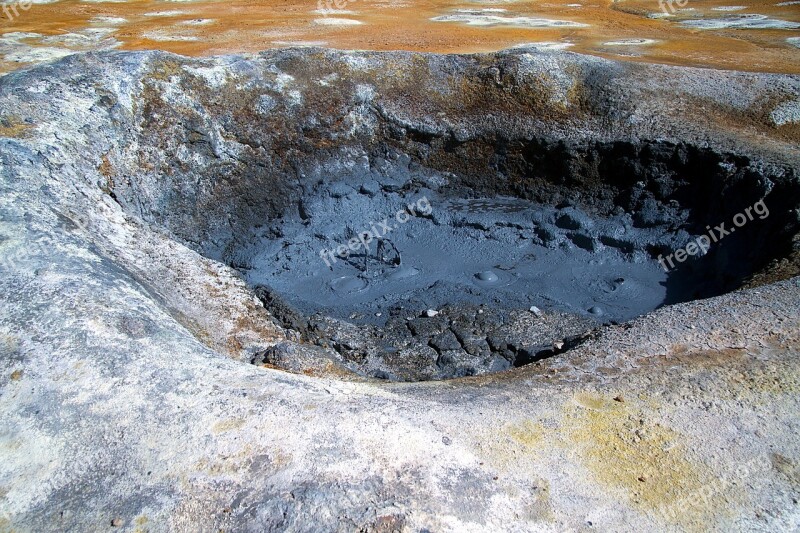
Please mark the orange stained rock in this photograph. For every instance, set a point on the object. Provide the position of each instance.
(634, 30)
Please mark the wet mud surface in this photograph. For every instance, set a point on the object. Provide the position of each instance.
(404, 283)
(401, 272)
(358, 249)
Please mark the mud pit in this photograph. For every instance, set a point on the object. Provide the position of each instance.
(420, 250)
(131, 181)
(407, 273)
(430, 248)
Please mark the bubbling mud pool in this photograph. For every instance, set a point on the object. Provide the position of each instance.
(458, 217)
(356, 253)
(406, 273)
(477, 285)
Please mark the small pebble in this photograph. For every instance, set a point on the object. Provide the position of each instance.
(117, 522)
(535, 310)
(596, 310)
(378, 314)
(430, 313)
(558, 345)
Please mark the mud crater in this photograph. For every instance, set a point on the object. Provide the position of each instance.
(484, 252)
(400, 271)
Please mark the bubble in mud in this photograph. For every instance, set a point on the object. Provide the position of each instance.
(487, 276)
(403, 273)
(348, 284)
(493, 278)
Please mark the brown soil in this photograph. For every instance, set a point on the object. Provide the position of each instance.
(254, 25)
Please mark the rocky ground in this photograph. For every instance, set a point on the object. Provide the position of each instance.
(128, 395)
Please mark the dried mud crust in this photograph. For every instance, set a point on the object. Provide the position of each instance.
(456, 341)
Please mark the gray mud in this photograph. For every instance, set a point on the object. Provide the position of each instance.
(398, 274)
(424, 249)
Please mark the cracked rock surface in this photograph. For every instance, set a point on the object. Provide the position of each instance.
(458, 341)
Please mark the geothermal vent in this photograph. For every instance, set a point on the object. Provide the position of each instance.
(314, 290)
(480, 219)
